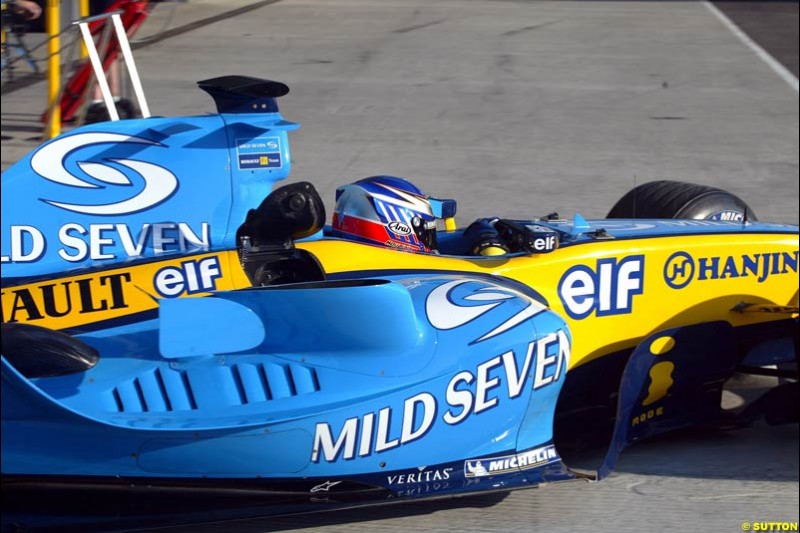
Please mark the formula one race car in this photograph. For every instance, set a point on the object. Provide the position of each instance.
(173, 327)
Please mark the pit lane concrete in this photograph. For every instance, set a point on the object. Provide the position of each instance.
(519, 109)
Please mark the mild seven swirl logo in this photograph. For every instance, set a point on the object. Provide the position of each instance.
(159, 183)
(447, 312)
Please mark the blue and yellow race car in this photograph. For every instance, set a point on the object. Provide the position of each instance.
(173, 326)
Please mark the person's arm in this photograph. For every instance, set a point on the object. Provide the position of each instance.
(27, 8)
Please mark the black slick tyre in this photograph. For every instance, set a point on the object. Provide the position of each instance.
(676, 199)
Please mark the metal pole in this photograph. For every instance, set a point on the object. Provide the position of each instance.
(54, 67)
(3, 39)
(83, 12)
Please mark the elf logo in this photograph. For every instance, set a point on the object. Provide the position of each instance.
(608, 289)
(191, 277)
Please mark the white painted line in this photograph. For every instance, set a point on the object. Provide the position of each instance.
(779, 69)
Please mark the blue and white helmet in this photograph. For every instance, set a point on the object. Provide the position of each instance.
(386, 210)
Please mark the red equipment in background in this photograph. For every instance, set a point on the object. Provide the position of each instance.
(133, 14)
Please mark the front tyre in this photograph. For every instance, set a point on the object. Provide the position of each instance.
(676, 199)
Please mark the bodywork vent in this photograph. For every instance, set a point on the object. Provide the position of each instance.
(155, 391)
(260, 382)
(164, 390)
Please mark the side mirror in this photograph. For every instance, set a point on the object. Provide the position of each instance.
(527, 237)
(443, 208)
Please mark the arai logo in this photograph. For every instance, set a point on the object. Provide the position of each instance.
(159, 183)
(399, 228)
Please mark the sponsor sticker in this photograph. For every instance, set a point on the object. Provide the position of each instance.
(399, 228)
(683, 268)
(447, 310)
(510, 463)
(735, 216)
(258, 153)
(78, 300)
(76, 243)
(543, 238)
(607, 289)
(114, 174)
(421, 475)
(82, 296)
(190, 277)
(324, 487)
(468, 393)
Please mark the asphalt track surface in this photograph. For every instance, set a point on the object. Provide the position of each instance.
(520, 109)
(773, 25)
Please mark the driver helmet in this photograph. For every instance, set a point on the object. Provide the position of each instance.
(388, 211)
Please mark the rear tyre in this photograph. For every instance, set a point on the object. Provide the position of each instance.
(676, 199)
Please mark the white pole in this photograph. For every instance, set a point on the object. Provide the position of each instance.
(125, 46)
(98, 71)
